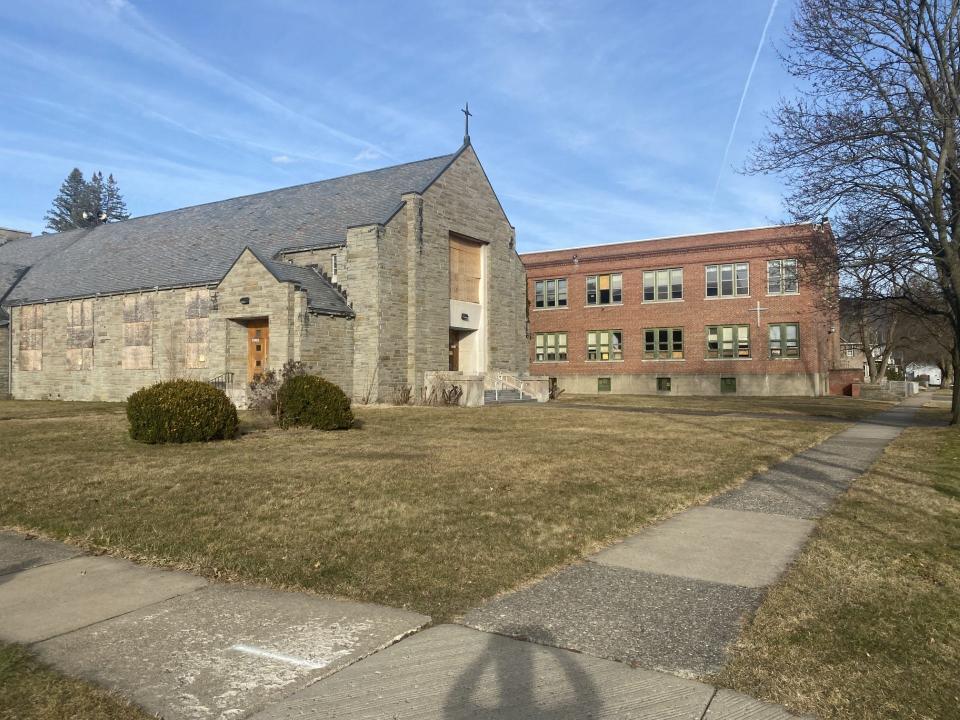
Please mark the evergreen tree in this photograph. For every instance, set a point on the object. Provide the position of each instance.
(113, 204)
(67, 210)
(84, 204)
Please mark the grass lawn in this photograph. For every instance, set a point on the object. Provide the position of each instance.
(30, 691)
(433, 509)
(867, 623)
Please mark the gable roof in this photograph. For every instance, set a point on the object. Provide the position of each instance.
(9, 275)
(197, 245)
(322, 296)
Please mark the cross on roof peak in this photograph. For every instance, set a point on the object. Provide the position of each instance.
(466, 123)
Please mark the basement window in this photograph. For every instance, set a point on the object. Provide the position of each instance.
(603, 384)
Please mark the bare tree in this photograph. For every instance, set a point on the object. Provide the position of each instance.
(872, 138)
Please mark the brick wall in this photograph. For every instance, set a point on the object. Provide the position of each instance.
(694, 374)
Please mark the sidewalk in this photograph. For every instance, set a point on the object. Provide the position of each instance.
(617, 636)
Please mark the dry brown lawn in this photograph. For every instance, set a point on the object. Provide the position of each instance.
(31, 691)
(867, 623)
(433, 509)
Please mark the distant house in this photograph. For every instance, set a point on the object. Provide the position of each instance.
(372, 280)
(724, 312)
(917, 371)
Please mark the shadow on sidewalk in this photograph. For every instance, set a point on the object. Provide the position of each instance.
(513, 681)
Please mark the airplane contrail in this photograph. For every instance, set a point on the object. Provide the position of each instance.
(743, 97)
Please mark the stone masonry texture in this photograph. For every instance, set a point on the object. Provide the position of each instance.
(395, 277)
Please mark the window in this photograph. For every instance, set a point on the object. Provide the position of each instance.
(660, 285)
(663, 384)
(784, 340)
(605, 345)
(79, 355)
(137, 351)
(782, 277)
(31, 338)
(603, 384)
(551, 347)
(728, 385)
(663, 344)
(728, 341)
(196, 326)
(333, 267)
(729, 280)
(550, 293)
(604, 289)
(465, 269)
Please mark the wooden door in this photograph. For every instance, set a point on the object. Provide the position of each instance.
(454, 351)
(258, 347)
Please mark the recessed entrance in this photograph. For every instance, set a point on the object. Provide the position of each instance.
(454, 350)
(258, 347)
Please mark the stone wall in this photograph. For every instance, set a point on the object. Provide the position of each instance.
(461, 201)
(291, 333)
(106, 378)
(327, 349)
(4, 361)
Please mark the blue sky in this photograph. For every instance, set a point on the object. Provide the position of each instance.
(596, 121)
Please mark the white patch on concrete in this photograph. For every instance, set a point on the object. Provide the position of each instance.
(259, 652)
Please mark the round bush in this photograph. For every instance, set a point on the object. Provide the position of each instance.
(179, 411)
(311, 401)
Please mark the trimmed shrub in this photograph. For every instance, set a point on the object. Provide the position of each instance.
(179, 411)
(311, 401)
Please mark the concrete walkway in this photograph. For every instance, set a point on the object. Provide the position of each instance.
(669, 599)
(675, 596)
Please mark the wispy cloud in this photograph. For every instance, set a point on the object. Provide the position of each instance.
(743, 97)
(282, 159)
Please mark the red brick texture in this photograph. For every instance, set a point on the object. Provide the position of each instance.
(818, 325)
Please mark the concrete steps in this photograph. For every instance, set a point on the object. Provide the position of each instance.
(505, 397)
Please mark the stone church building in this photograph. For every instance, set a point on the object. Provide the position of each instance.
(375, 281)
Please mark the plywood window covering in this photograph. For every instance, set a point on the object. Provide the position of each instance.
(31, 338)
(196, 327)
(137, 332)
(79, 354)
(465, 270)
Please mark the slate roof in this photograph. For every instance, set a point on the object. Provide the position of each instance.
(9, 274)
(322, 296)
(197, 245)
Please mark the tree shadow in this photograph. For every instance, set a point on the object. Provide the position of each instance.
(515, 677)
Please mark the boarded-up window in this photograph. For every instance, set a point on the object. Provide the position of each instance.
(196, 328)
(465, 264)
(137, 332)
(31, 338)
(79, 352)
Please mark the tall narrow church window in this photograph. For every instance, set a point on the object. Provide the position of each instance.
(79, 353)
(31, 338)
(137, 332)
(196, 327)
(465, 270)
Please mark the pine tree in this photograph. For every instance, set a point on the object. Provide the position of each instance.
(113, 204)
(67, 210)
(83, 204)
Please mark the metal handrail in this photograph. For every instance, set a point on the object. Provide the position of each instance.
(510, 381)
(222, 381)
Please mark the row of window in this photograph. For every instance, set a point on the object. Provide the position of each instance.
(722, 342)
(664, 384)
(722, 280)
(138, 320)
